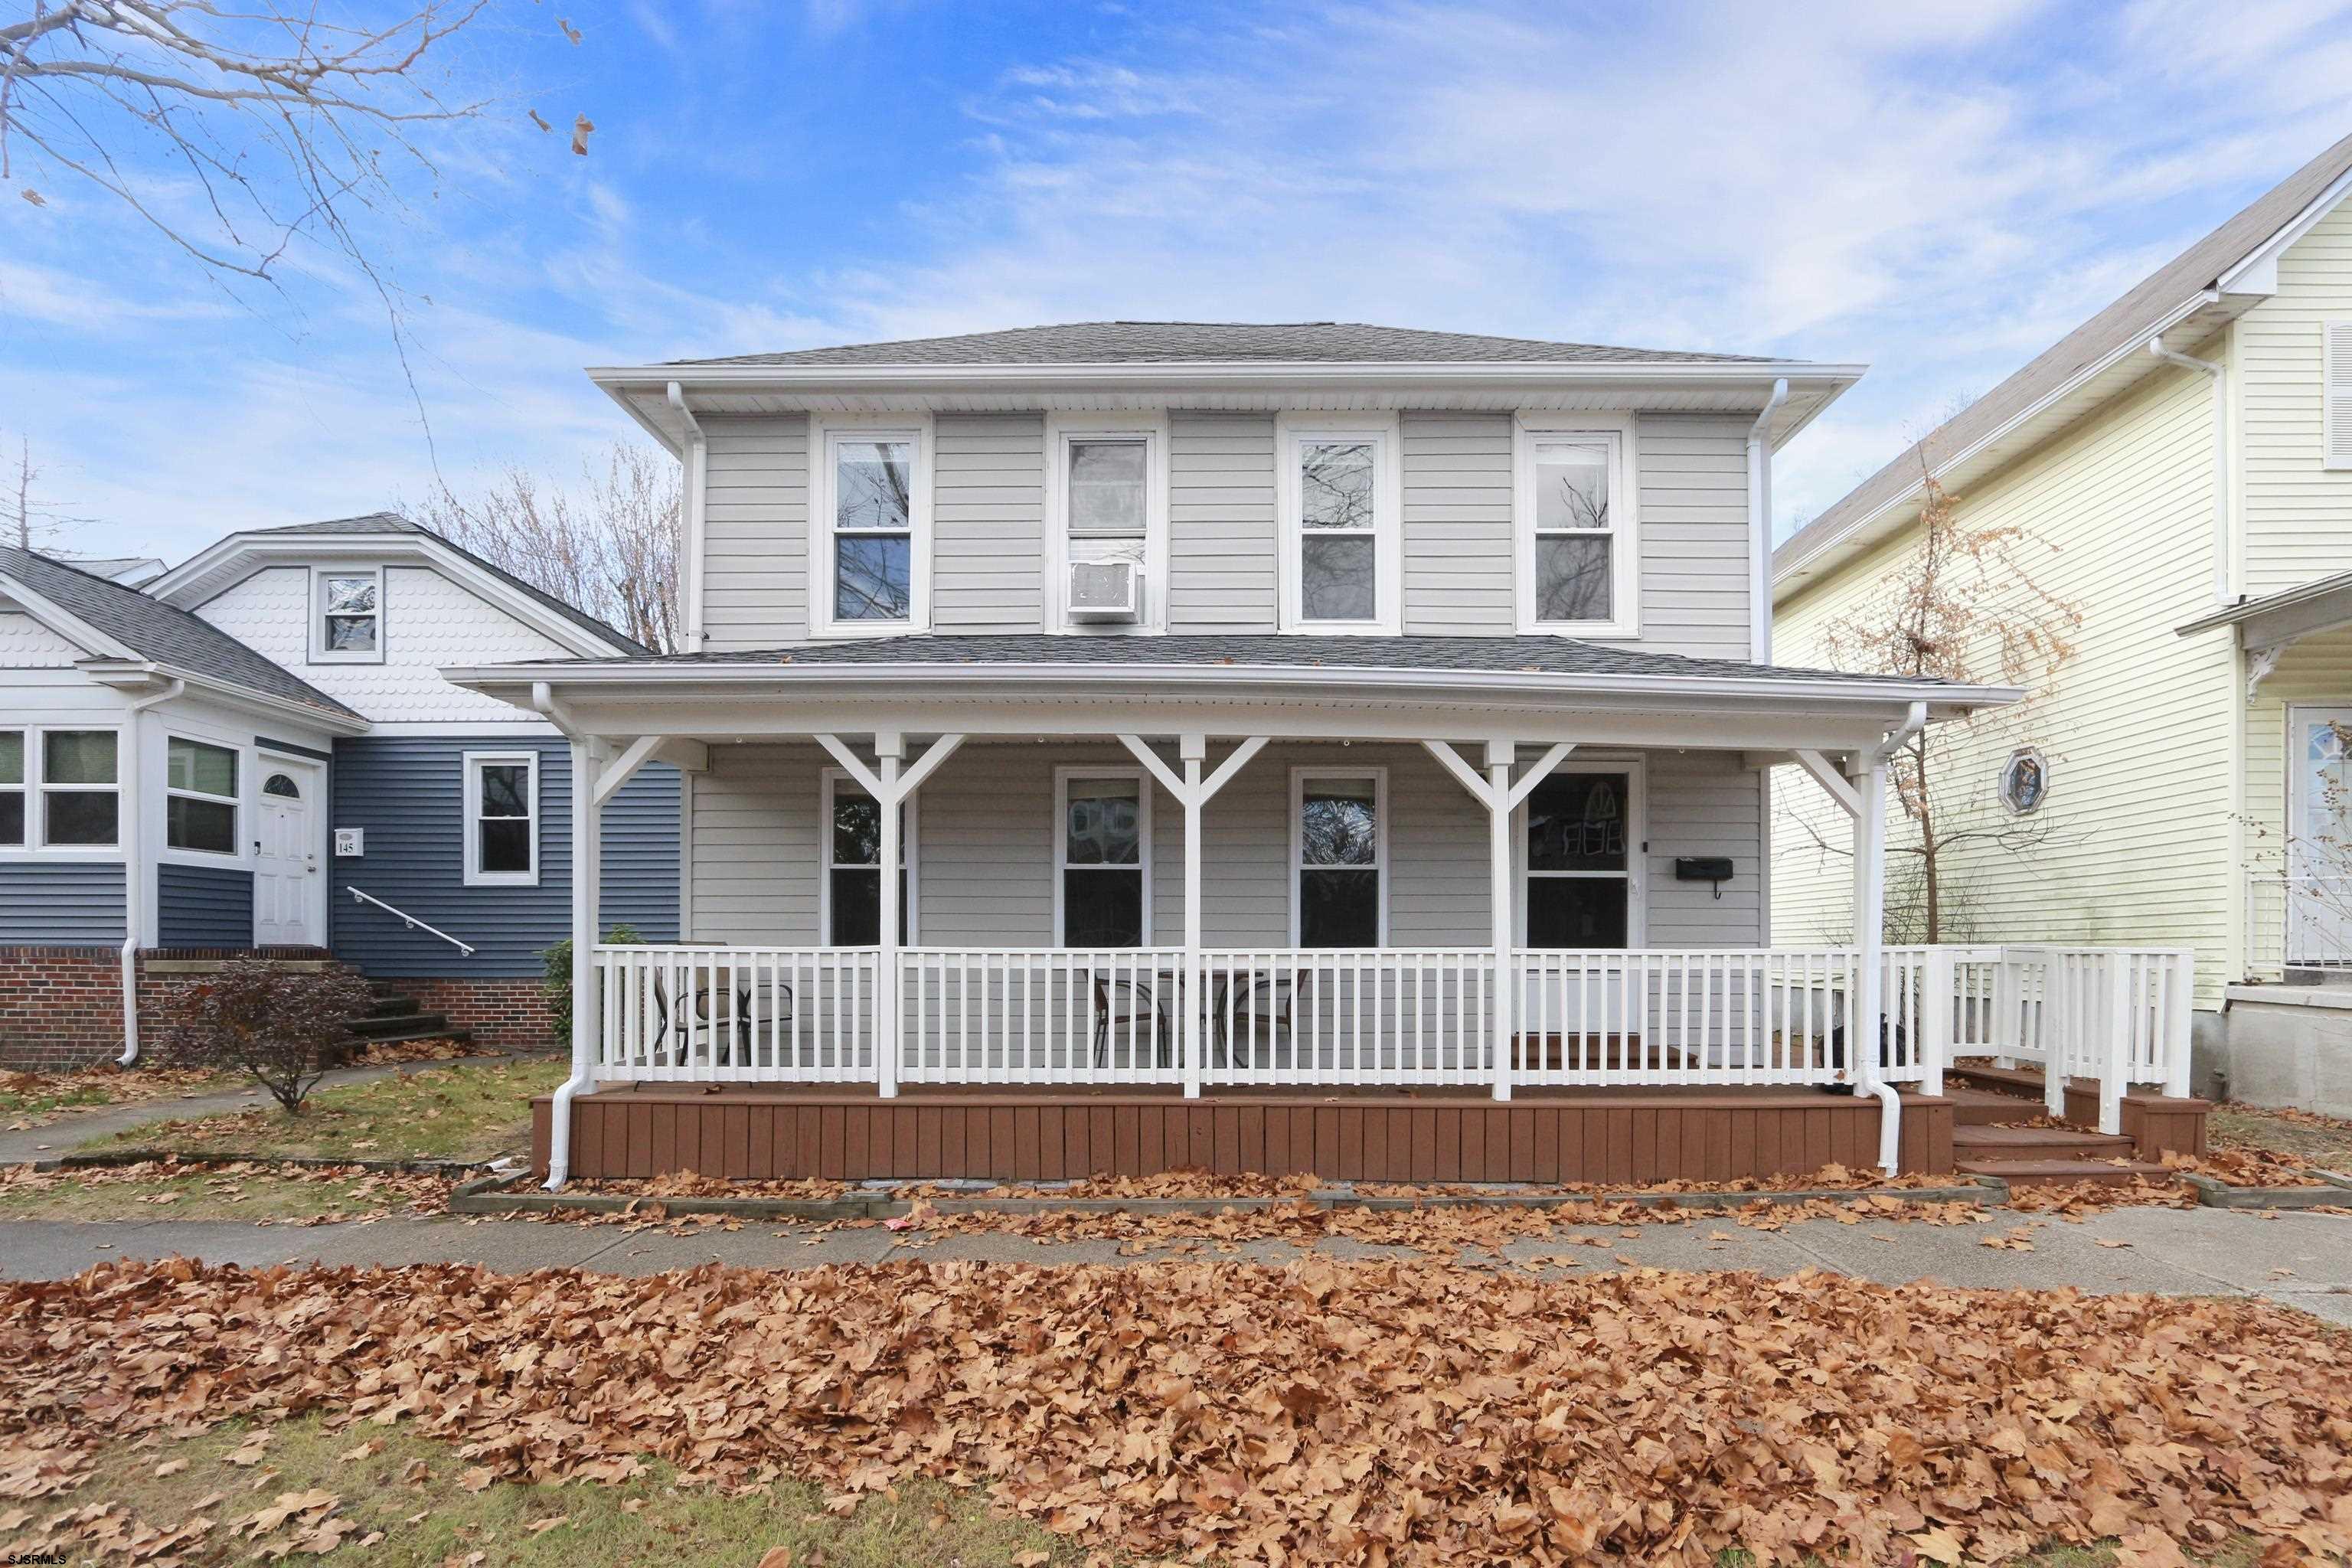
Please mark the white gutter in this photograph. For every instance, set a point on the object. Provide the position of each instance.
(697, 489)
(2220, 376)
(1157, 374)
(584, 959)
(135, 868)
(1759, 527)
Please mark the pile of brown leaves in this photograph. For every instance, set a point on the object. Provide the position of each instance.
(2243, 1167)
(692, 1184)
(387, 1053)
(95, 1089)
(2080, 1200)
(395, 1193)
(1320, 1413)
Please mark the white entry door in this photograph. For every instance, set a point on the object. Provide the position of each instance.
(288, 902)
(2319, 835)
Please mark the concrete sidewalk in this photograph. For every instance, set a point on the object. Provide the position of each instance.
(2302, 1259)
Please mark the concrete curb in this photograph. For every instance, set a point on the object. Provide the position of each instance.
(490, 1194)
(112, 1158)
(2335, 1193)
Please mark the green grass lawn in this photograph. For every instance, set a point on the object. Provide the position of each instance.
(209, 1194)
(32, 1100)
(456, 1113)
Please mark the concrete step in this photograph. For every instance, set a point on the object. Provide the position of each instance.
(391, 1007)
(2037, 1143)
(412, 1027)
(2053, 1173)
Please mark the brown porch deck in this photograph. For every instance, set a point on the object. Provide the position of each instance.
(846, 1132)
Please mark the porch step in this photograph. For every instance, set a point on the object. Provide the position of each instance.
(1981, 1142)
(1983, 1107)
(392, 1007)
(392, 1016)
(2054, 1173)
(2021, 1082)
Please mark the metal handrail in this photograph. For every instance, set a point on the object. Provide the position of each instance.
(414, 923)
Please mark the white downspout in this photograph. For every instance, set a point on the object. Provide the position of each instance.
(134, 869)
(583, 955)
(698, 486)
(2220, 375)
(1760, 526)
(1870, 911)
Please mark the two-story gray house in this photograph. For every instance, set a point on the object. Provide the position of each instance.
(1132, 745)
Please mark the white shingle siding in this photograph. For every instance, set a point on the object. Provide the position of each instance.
(26, 644)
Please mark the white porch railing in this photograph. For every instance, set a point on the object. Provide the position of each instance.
(1403, 1016)
(2297, 922)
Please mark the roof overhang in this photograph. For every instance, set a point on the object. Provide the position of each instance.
(721, 701)
(1725, 387)
(139, 677)
(221, 566)
(2282, 619)
(62, 621)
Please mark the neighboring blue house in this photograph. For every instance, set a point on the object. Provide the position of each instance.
(264, 732)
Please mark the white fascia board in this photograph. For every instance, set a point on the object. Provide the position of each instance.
(135, 672)
(1144, 376)
(1040, 680)
(64, 622)
(215, 569)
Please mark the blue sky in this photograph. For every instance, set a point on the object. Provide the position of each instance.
(1939, 189)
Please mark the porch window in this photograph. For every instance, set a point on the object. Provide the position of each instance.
(1102, 856)
(12, 788)
(79, 804)
(1339, 859)
(199, 797)
(1575, 559)
(871, 513)
(1579, 861)
(1339, 495)
(347, 615)
(501, 819)
(853, 865)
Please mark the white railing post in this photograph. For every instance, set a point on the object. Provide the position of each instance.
(2062, 1025)
(2115, 1058)
(1938, 978)
(2179, 996)
(1500, 756)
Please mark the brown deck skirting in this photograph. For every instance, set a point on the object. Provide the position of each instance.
(846, 1134)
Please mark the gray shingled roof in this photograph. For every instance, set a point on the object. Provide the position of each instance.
(393, 522)
(155, 630)
(1181, 342)
(2128, 321)
(1541, 655)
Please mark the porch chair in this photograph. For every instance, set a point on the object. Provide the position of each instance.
(774, 1012)
(1256, 1009)
(1126, 1008)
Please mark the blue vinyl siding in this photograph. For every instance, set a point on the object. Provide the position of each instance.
(64, 903)
(204, 906)
(408, 794)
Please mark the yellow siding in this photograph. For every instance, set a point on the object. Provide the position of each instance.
(2135, 727)
(2298, 515)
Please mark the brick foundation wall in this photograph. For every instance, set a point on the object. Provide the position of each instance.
(61, 1007)
(508, 1012)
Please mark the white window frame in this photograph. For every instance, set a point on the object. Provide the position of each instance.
(1062, 552)
(36, 789)
(475, 761)
(1616, 430)
(830, 780)
(1636, 875)
(2336, 389)
(1061, 777)
(235, 800)
(1300, 778)
(319, 652)
(826, 433)
(1290, 432)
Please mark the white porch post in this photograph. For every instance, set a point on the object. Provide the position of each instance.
(889, 750)
(1500, 757)
(1869, 778)
(587, 995)
(1190, 997)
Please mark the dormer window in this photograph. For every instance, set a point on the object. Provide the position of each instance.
(871, 515)
(347, 614)
(1576, 564)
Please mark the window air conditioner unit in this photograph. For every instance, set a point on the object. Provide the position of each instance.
(1106, 590)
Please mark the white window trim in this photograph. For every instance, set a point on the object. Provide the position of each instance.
(475, 876)
(1636, 874)
(1300, 777)
(830, 780)
(1290, 430)
(1624, 512)
(36, 789)
(2335, 387)
(319, 652)
(235, 800)
(1061, 551)
(1061, 777)
(824, 430)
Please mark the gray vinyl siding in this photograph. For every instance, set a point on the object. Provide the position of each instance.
(1693, 474)
(988, 504)
(1459, 550)
(755, 531)
(984, 866)
(204, 906)
(61, 902)
(1221, 523)
(408, 794)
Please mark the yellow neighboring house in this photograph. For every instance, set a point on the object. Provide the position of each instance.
(2179, 470)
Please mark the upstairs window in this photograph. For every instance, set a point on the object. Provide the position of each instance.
(347, 615)
(871, 509)
(1339, 858)
(853, 865)
(200, 797)
(501, 819)
(1102, 854)
(1339, 492)
(1106, 505)
(1576, 559)
(79, 800)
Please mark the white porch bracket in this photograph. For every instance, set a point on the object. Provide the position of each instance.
(1192, 793)
(1827, 777)
(622, 768)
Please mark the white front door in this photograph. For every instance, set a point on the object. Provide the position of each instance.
(2319, 835)
(288, 900)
